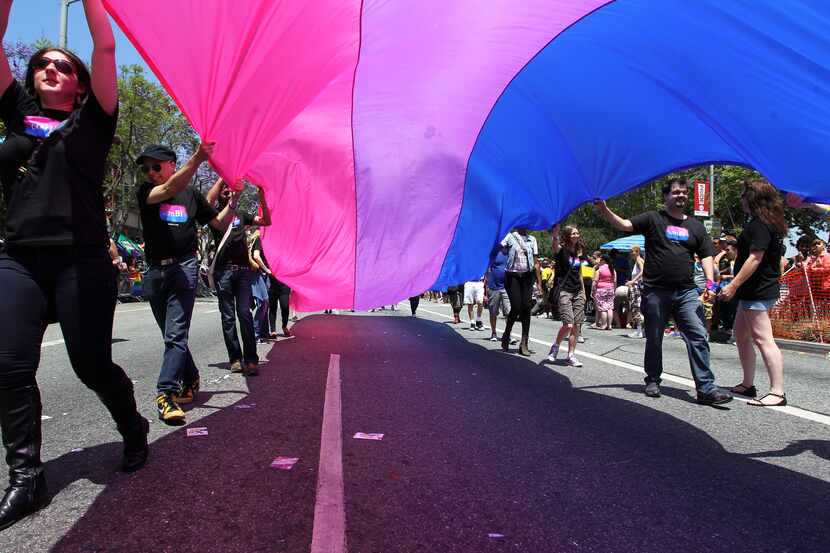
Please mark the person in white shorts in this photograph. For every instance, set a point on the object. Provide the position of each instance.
(474, 295)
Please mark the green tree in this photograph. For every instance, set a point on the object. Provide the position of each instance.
(147, 115)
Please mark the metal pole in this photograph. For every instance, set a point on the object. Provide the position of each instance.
(62, 38)
(712, 191)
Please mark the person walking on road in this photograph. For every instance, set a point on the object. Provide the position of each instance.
(496, 294)
(234, 275)
(474, 297)
(522, 271)
(570, 290)
(635, 292)
(56, 266)
(672, 238)
(170, 211)
(755, 285)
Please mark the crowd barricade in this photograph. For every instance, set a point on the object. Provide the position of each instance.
(803, 310)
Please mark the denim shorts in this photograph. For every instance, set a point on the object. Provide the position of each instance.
(756, 305)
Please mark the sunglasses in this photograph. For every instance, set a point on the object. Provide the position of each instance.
(154, 167)
(62, 66)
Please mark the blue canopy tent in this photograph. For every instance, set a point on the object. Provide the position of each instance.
(625, 243)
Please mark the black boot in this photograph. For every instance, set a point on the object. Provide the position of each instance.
(120, 402)
(20, 412)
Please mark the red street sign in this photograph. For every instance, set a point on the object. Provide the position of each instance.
(702, 192)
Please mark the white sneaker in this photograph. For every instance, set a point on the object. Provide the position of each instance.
(494, 338)
(637, 334)
(580, 339)
(572, 361)
(472, 325)
(554, 351)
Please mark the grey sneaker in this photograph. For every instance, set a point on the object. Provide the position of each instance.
(652, 389)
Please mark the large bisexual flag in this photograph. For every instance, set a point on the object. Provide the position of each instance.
(398, 141)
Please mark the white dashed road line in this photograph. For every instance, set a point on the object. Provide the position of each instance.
(329, 534)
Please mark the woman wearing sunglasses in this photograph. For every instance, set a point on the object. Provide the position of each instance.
(60, 127)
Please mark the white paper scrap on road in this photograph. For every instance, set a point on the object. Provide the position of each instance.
(243, 406)
(45, 417)
(495, 536)
(284, 463)
(77, 450)
(197, 431)
(368, 436)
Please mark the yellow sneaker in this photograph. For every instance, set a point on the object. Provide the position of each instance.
(169, 410)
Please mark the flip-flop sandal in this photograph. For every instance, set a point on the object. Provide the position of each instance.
(744, 390)
(760, 403)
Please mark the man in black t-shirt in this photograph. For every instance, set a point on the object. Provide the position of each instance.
(170, 211)
(234, 276)
(672, 240)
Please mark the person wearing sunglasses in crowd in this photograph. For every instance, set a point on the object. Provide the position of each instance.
(60, 126)
(170, 210)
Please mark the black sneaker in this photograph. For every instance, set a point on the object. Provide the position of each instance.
(479, 325)
(716, 397)
(652, 389)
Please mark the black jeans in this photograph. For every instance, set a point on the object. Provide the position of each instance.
(278, 296)
(413, 303)
(519, 288)
(77, 288)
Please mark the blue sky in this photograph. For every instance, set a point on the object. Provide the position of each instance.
(33, 19)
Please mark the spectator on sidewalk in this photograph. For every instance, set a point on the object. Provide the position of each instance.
(603, 292)
(755, 285)
(672, 239)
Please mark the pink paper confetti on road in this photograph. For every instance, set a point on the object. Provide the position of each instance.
(197, 431)
(284, 463)
(365, 436)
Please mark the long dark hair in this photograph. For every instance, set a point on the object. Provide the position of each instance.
(565, 240)
(765, 203)
(81, 71)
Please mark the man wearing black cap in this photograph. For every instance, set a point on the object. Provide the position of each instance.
(170, 211)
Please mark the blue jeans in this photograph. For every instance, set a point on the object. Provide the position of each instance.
(234, 291)
(171, 290)
(657, 305)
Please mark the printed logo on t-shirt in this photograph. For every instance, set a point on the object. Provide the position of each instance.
(678, 234)
(171, 213)
(40, 127)
(576, 262)
(236, 222)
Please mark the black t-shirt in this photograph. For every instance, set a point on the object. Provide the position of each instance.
(670, 245)
(568, 271)
(52, 169)
(170, 226)
(763, 284)
(235, 251)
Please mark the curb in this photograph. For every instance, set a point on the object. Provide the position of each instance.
(804, 347)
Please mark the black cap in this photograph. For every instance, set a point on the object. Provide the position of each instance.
(156, 151)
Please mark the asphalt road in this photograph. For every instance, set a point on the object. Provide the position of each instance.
(482, 450)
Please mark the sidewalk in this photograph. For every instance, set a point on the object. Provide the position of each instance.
(804, 347)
